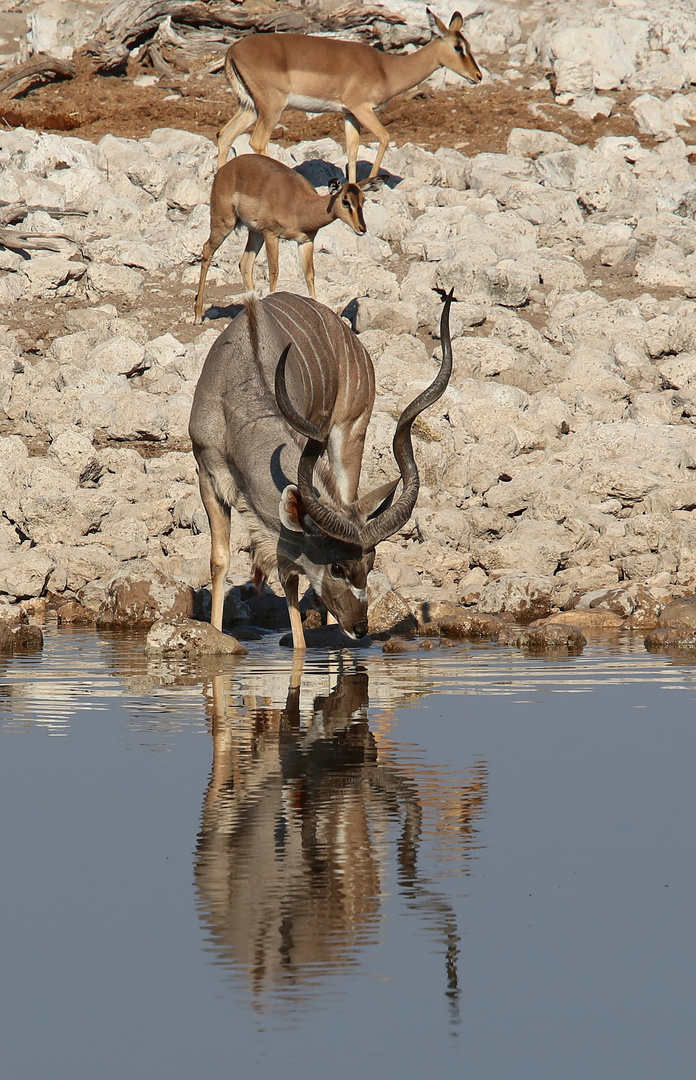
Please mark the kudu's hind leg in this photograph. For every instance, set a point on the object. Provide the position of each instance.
(241, 120)
(219, 518)
(291, 589)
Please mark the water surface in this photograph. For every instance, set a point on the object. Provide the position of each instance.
(452, 863)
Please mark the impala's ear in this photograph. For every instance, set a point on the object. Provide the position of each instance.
(335, 186)
(456, 22)
(374, 502)
(435, 23)
(291, 509)
(372, 183)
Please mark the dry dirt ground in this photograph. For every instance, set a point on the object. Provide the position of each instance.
(470, 119)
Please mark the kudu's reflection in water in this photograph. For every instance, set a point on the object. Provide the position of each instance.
(297, 835)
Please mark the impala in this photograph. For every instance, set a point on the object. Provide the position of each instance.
(273, 202)
(283, 403)
(269, 72)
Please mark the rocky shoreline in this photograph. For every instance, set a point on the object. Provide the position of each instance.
(558, 471)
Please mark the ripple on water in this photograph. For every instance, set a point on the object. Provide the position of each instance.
(80, 671)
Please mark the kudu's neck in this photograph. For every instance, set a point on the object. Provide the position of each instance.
(406, 70)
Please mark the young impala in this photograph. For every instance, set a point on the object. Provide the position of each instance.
(282, 404)
(270, 72)
(275, 202)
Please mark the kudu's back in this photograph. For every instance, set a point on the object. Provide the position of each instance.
(237, 430)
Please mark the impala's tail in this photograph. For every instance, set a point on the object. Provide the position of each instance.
(237, 83)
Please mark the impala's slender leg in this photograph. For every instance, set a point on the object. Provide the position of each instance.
(291, 589)
(272, 244)
(269, 116)
(364, 114)
(246, 263)
(241, 120)
(219, 518)
(208, 252)
(221, 226)
(306, 252)
(352, 129)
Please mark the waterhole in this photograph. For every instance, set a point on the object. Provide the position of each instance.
(452, 863)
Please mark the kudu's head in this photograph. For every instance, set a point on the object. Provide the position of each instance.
(334, 543)
(455, 51)
(347, 200)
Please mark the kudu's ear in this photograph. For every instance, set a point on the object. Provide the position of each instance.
(435, 23)
(374, 502)
(335, 186)
(291, 509)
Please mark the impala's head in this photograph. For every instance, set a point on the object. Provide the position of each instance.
(455, 51)
(346, 201)
(334, 544)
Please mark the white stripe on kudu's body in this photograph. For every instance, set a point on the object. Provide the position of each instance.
(270, 72)
(276, 434)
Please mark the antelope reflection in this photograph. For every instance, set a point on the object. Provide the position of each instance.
(294, 848)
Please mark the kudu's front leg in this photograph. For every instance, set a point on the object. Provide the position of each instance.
(291, 589)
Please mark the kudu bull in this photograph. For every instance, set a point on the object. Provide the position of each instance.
(283, 402)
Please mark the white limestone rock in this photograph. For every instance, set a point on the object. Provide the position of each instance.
(104, 279)
(24, 572)
(136, 159)
(601, 47)
(117, 355)
(73, 451)
(526, 597)
(662, 118)
(503, 284)
(395, 318)
(531, 142)
(58, 28)
(82, 564)
(124, 538)
(51, 274)
(191, 639)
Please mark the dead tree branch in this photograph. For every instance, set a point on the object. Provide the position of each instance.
(38, 70)
(11, 213)
(19, 240)
(127, 23)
